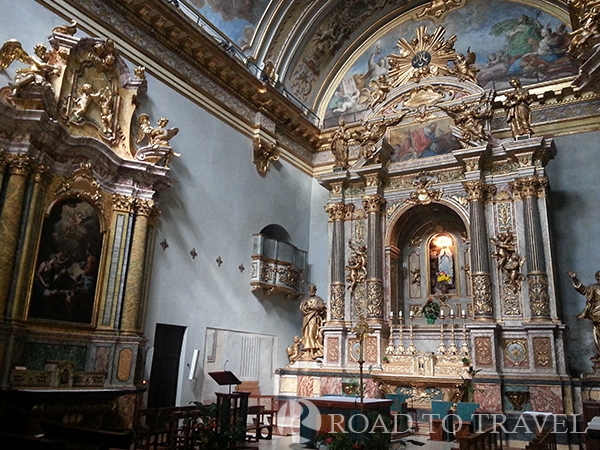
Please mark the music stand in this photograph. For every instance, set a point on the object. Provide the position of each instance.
(225, 378)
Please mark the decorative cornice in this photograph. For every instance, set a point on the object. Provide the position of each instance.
(180, 36)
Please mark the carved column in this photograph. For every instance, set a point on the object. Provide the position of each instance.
(337, 288)
(483, 308)
(28, 252)
(537, 278)
(19, 167)
(373, 205)
(135, 268)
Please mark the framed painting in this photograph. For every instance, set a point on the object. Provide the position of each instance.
(66, 270)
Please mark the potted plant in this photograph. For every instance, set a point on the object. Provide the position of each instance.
(431, 310)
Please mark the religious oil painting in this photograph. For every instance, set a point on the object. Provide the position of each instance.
(421, 141)
(66, 270)
(510, 39)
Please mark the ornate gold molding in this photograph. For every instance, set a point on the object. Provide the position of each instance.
(336, 301)
(482, 295)
(477, 190)
(19, 164)
(373, 203)
(539, 301)
(264, 153)
(423, 195)
(82, 183)
(336, 211)
(144, 207)
(533, 186)
(123, 203)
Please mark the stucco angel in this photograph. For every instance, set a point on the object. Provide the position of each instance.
(38, 70)
(158, 138)
(464, 66)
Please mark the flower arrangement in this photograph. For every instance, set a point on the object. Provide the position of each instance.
(431, 310)
(443, 277)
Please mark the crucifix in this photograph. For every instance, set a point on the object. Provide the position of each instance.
(361, 330)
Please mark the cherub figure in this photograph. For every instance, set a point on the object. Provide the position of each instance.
(39, 70)
(293, 351)
(464, 66)
(508, 260)
(381, 87)
(357, 266)
(82, 103)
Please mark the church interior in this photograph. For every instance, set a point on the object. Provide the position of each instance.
(387, 200)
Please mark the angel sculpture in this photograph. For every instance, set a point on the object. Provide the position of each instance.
(471, 118)
(381, 87)
(464, 66)
(39, 70)
(158, 139)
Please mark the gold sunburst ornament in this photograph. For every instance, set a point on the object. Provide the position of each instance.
(427, 55)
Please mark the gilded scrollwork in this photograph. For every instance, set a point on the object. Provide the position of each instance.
(585, 37)
(482, 294)
(374, 298)
(542, 352)
(539, 300)
(264, 153)
(336, 301)
(423, 195)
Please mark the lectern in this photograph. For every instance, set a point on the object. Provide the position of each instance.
(233, 407)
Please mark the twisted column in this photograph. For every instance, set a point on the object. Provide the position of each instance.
(373, 205)
(337, 288)
(135, 269)
(537, 278)
(483, 306)
(19, 167)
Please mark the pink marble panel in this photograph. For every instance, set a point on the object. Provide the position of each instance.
(489, 397)
(331, 385)
(372, 389)
(305, 386)
(102, 359)
(546, 399)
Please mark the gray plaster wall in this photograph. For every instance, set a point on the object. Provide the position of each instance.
(574, 209)
(218, 202)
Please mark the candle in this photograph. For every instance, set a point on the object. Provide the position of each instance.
(391, 314)
(411, 313)
(451, 313)
(464, 314)
(442, 313)
(400, 314)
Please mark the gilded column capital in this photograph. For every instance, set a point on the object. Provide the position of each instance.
(336, 211)
(41, 173)
(477, 190)
(19, 164)
(533, 186)
(124, 203)
(373, 203)
(144, 207)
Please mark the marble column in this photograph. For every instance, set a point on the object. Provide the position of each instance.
(337, 287)
(19, 167)
(373, 205)
(537, 278)
(135, 268)
(28, 255)
(483, 307)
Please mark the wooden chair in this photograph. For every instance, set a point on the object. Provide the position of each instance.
(487, 439)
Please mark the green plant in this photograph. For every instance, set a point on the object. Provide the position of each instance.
(431, 310)
(467, 388)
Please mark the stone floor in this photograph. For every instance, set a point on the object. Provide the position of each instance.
(291, 443)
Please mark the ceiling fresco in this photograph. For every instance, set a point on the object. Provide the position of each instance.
(325, 52)
(508, 39)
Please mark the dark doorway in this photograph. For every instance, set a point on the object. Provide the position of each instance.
(165, 365)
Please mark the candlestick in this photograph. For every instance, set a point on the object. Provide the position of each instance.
(442, 347)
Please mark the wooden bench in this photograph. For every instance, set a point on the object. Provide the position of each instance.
(486, 439)
(546, 440)
(164, 428)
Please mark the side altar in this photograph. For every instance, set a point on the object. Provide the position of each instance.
(464, 231)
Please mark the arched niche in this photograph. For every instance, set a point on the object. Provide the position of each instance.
(429, 258)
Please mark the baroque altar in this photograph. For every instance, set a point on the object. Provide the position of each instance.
(465, 228)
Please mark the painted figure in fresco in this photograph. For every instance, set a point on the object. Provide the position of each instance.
(522, 34)
(339, 145)
(315, 312)
(592, 307)
(518, 113)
